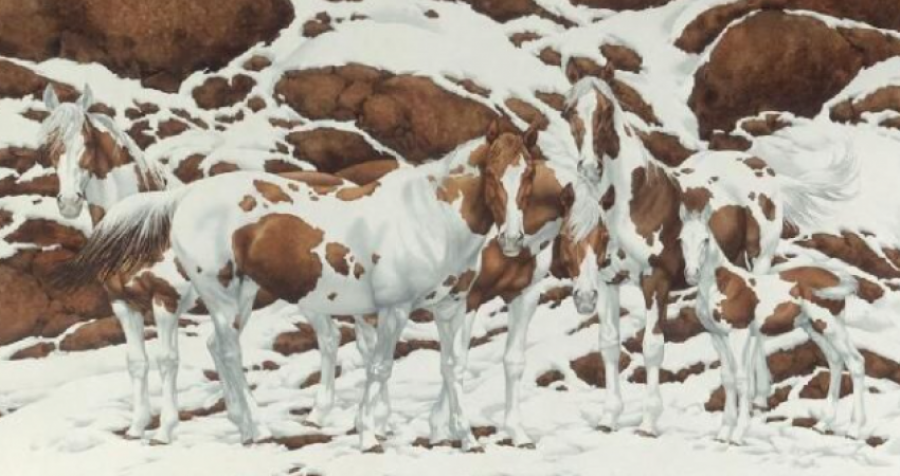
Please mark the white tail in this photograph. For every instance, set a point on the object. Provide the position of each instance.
(848, 286)
(806, 196)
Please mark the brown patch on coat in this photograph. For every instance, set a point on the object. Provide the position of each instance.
(500, 276)
(608, 200)
(332, 296)
(654, 201)
(576, 126)
(102, 153)
(696, 199)
(464, 282)
(739, 304)
(226, 274)
(375, 258)
(147, 288)
(248, 203)
(737, 232)
(336, 256)
(271, 192)
(767, 206)
(782, 319)
(358, 270)
(277, 253)
(97, 213)
(755, 163)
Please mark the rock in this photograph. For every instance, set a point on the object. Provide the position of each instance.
(800, 360)
(160, 43)
(589, 368)
(704, 29)
(36, 351)
(23, 305)
(716, 402)
(778, 62)
(555, 100)
(886, 98)
(18, 81)
(170, 128)
(665, 148)
(683, 327)
(188, 169)
(817, 387)
(44, 185)
(723, 141)
(315, 378)
(331, 150)
(549, 378)
(139, 134)
(46, 233)
(622, 57)
(318, 25)
(852, 249)
(621, 5)
(405, 348)
(94, 335)
(217, 92)
(522, 37)
(19, 159)
(300, 441)
(257, 63)
(409, 114)
(667, 376)
(368, 172)
(766, 125)
(550, 57)
(506, 10)
(878, 366)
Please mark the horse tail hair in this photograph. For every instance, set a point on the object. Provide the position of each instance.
(808, 194)
(846, 287)
(133, 234)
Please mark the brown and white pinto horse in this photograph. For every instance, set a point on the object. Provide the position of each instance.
(639, 199)
(729, 298)
(396, 242)
(98, 165)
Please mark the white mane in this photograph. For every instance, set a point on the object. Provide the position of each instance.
(62, 127)
(151, 168)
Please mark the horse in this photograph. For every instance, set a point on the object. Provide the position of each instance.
(98, 165)
(813, 298)
(239, 232)
(638, 200)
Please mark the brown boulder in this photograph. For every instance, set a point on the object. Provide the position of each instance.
(704, 29)
(778, 62)
(36, 351)
(161, 42)
(506, 10)
(622, 57)
(549, 378)
(665, 148)
(46, 233)
(44, 185)
(331, 150)
(409, 114)
(800, 360)
(94, 335)
(405, 347)
(19, 159)
(621, 5)
(852, 249)
(18, 81)
(23, 305)
(318, 25)
(368, 172)
(217, 92)
(89, 301)
(817, 387)
(886, 98)
(590, 369)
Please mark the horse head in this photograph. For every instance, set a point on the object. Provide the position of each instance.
(583, 246)
(509, 172)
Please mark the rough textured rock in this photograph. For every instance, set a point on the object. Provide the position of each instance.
(94, 335)
(886, 98)
(704, 29)
(318, 25)
(506, 10)
(23, 305)
(18, 81)
(409, 114)
(331, 150)
(779, 62)
(622, 57)
(304, 339)
(36, 351)
(621, 5)
(851, 248)
(218, 92)
(589, 368)
(160, 42)
(665, 148)
(817, 387)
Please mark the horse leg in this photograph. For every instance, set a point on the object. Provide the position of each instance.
(610, 350)
(727, 373)
(521, 311)
(328, 337)
(382, 409)
(762, 378)
(376, 370)
(836, 333)
(168, 360)
(742, 367)
(132, 323)
(656, 295)
(439, 420)
(835, 368)
(451, 321)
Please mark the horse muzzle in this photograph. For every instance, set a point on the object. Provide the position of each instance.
(511, 246)
(585, 301)
(69, 207)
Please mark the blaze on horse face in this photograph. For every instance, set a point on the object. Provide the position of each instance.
(63, 145)
(695, 241)
(582, 257)
(592, 122)
(509, 178)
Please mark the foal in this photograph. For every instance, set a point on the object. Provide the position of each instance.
(730, 298)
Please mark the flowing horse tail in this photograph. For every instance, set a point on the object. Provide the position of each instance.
(807, 194)
(133, 234)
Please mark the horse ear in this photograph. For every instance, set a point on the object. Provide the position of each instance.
(531, 135)
(573, 74)
(87, 98)
(50, 99)
(567, 197)
(493, 131)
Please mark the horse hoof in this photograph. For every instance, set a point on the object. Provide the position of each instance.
(527, 446)
(311, 424)
(475, 449)
(646, 433)
(605, 429)
(155, 442)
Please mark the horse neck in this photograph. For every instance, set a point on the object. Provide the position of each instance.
(462, 183)
(715, 259)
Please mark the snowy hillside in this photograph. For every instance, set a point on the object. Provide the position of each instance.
(357, 87)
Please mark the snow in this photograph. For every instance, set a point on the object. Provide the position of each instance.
(68, 405)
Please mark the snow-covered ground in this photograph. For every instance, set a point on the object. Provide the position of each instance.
(69, 406)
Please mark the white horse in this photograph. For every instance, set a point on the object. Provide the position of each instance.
(638, 200)
(405, 242)
(99, 165)
(729, 298)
